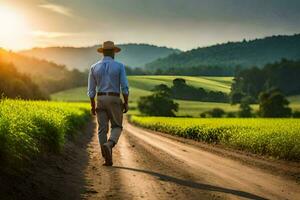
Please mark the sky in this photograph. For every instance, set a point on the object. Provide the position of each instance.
(182, 24)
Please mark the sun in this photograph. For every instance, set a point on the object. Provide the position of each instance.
(13, 28)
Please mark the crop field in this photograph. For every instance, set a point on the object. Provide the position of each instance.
(28, 128)
(279, 138)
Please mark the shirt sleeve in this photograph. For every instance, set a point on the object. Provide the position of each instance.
(91, 85)
(124, 81)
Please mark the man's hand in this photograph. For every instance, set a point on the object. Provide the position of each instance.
(93, 111)
(93, 105)
(125, 107)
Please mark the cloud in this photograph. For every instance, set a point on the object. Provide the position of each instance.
(45, 34)
(58, 9)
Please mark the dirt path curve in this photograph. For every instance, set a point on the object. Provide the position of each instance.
(151, 166)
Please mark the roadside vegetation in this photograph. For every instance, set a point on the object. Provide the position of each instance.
(278, 138)
(31, 128)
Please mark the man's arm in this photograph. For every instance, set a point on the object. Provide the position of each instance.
(92, 91)
(124, 88)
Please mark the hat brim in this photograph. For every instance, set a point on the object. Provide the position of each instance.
(116, 49)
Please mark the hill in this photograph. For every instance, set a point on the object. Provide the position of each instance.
(48, 75)
(17, 85)
(133, 55)
(34, 67)
(256, 52)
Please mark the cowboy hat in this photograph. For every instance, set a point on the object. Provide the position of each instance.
(108, 45)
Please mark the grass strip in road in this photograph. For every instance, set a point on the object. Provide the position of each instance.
(29, 128)
(279, 138)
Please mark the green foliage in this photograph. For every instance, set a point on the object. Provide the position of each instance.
(236, 97)
(162, 89)
(283, 75)
(216, 112)
(29, 128)
(257, 52)
(181, 90)
(296, 114)
(50, 77)
(273, 104)
(279, 138)
(245, 108)
(16, 85)
(143, 86)
(230, 115)
(157, 104)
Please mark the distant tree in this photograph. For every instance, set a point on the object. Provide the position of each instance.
(283, 75)
(230, 115)
(296, 114)
(245, 108)
(216, 112)
(159, 103)
(203, 115)
(179, 82)
(273, 104)
(163, 89)
(256, 52)
(181, 90)
(158, 72)
(236, 97)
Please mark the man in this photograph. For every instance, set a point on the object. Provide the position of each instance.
(106, 78)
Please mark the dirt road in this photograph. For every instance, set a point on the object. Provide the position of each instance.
(152, 166)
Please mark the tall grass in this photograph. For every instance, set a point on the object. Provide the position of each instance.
(28, 128)
(279, 138)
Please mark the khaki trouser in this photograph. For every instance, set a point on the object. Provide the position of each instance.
(109, 108)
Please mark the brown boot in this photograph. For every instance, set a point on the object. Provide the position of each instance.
(107, 147)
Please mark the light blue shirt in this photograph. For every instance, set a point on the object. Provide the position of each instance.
(107, 75)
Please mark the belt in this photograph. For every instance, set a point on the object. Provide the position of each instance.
(108, 94)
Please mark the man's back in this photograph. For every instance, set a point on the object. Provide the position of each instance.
(107, 75)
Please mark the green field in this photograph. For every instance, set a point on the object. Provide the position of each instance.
(28, 128)
(142, 85)
(279, 138)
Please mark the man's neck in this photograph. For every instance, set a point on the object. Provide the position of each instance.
(108, 57)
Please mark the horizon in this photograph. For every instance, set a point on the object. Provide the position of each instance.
(45, 23)
(149, 44)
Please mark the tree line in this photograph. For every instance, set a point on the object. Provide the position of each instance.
(19, 85)
(245, 53)
(283, 75)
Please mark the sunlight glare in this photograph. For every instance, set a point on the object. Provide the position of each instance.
(13, 28)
